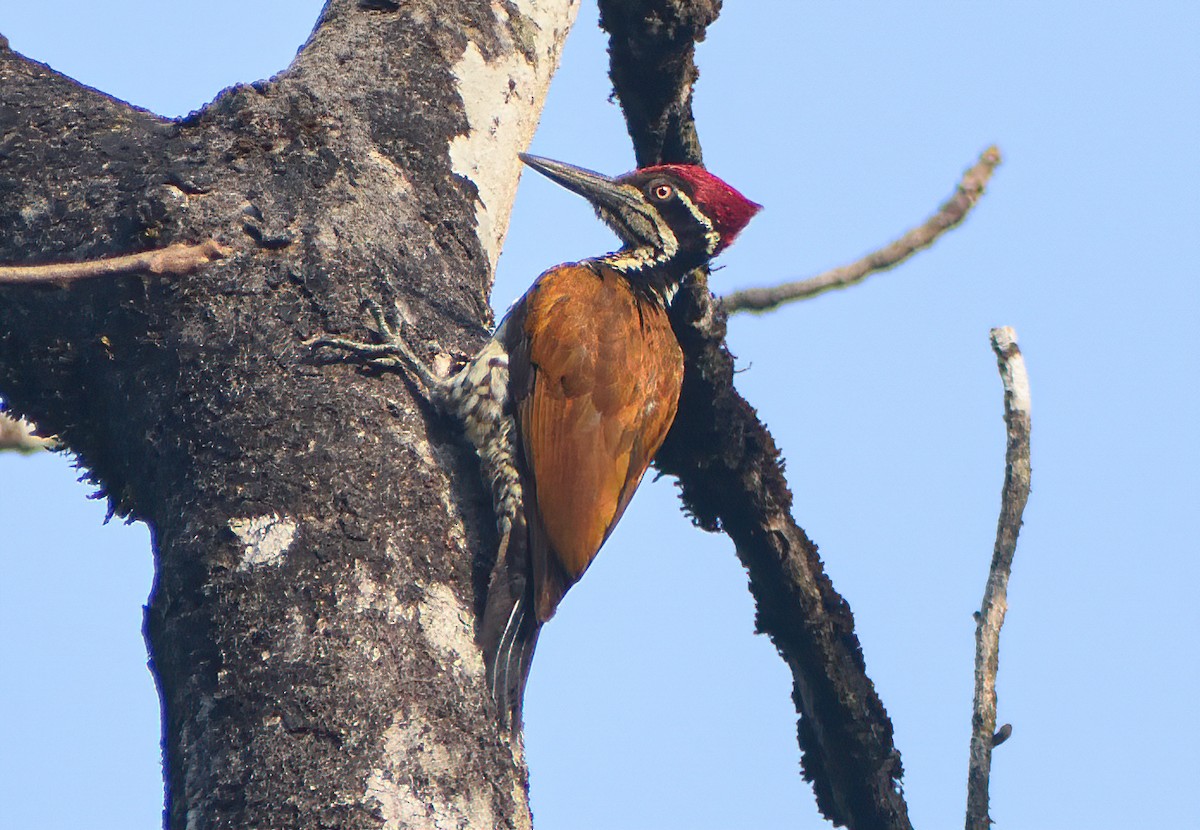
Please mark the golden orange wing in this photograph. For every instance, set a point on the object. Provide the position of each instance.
(606, 372)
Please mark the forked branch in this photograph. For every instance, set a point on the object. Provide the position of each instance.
(995, 602)
(951, 214)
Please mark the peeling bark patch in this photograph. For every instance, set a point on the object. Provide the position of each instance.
(265, 538)
(497, 96)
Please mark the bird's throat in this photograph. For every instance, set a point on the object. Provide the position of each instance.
(653, 272)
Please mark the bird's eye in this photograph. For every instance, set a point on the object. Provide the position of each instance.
(663, 192)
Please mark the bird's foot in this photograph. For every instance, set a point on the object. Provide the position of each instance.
(390, 352)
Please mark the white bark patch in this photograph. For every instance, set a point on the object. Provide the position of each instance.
(265, 539)
(1012, 370)
(502, 100)
(372, 596)
(446, 623)
(410, 755)
(447, 626)
(1020, 385)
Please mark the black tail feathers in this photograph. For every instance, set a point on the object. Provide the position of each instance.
(510, 628)
(509, 660)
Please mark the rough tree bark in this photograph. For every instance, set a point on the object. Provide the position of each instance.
(321, 547)
(310, 625)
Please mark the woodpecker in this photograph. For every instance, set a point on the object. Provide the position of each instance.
(574, 393)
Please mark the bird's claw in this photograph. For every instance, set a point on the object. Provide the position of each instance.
(390, 352)
(388, 324)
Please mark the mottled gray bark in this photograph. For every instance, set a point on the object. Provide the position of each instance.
(311, 621)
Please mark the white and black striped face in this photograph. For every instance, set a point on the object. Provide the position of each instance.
(673, 223)
(673, 213)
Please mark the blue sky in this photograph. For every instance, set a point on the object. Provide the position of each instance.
(652, 704)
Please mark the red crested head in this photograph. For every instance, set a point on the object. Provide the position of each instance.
(727, 209)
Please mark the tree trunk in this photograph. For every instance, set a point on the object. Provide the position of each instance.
(314, 527)
(322, 539)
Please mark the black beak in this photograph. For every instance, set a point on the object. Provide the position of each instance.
(597, 188)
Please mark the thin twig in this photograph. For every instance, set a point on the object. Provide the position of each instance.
(176, 259)
(949, 215)
(995, 603)
(17, 434)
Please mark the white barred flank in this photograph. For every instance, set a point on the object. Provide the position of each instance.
(477, 396)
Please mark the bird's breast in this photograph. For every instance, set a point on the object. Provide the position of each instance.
(601, 390)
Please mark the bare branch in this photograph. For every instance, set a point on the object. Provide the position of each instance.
(729, 467)
(991, 615)
(652, 49)
(952, 212)
(17, 434)
(176, 259)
